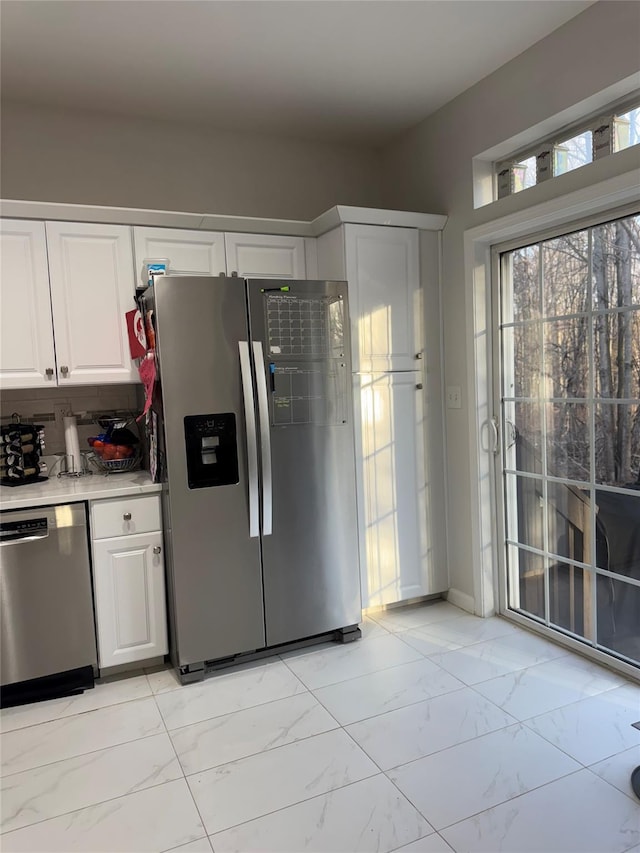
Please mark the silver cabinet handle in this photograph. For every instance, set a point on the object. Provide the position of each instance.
(157, 549)
(127, 516)
(418, 355)
(265, 440)
(64, 370)
(49, 372)
(252, 446)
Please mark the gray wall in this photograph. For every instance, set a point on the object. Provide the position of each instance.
(91, 158)
(430, 169)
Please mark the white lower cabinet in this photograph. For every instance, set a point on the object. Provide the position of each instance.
(129, 583)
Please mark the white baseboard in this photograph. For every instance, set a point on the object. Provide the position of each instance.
(462, 600)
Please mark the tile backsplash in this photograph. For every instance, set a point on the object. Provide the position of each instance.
(48, 406)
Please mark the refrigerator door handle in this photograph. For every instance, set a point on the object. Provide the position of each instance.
(252, 446)
(265, 441)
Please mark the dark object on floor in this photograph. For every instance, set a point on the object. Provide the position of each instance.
(635, 781)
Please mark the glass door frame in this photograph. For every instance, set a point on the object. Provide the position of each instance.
(496, 304)
(482, 593)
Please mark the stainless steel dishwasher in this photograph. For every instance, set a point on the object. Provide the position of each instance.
(47, 628)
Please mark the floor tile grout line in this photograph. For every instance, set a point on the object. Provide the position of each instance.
(337, 727)
(297, 803)
(576, 701)
(78, 755)
(464, 645)
(260, 752)
(238, 710)
(557, 708)
(75, 714)
(184, 776)
(424, 626)
(517, 797)
(415, 841)
(631, 796)
(399, 708)
(247, 708)
(494, 805)
(544, 737)
(181, 846)
(349, 678)
(451, 746)
(545, 663)
(530, 666)
(91, 806)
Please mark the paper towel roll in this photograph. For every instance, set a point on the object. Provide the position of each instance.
(72, 444)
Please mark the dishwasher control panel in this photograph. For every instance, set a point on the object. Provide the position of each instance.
(33, 528)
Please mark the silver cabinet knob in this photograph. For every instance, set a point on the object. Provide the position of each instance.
(64, 370)
(127, 516)
(49, 372)
(157, 549)
(419, 386)
(418, 355)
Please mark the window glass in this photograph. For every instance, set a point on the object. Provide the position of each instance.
(573, 153)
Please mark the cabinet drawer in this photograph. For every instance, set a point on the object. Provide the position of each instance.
(125, 516)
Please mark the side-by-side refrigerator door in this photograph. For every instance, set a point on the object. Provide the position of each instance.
(212, 466)
(301, 347)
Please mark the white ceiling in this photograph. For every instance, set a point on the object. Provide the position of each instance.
(346, 70)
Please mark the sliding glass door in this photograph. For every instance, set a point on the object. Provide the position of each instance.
(568, 352)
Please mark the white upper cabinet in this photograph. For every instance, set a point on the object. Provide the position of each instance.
(27, 358)
(382, 267)
(92, 286)
(265, 256)
(189, 252)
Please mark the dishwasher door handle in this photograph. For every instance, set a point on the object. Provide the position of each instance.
(28, 537)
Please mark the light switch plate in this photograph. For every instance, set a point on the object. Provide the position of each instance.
(454, 397)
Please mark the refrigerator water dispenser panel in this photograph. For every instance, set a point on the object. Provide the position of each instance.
(212, 451)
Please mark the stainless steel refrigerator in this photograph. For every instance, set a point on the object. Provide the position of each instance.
(255, 442)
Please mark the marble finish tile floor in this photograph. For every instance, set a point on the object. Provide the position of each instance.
(435, 732)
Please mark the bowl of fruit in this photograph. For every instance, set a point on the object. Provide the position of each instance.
(117, 448)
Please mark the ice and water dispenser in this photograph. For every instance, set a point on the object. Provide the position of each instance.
(212, 451)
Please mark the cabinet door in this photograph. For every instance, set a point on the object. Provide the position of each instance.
(265, 256)
(91, 272)
(384, 295)
(395, 554)
(130, 599)
(191, 252)
(26, 330)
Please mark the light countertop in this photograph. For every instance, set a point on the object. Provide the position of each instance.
(70, 490)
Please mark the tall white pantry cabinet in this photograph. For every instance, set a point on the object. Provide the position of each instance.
(398, 558)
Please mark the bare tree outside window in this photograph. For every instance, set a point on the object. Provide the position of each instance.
(570, 343)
